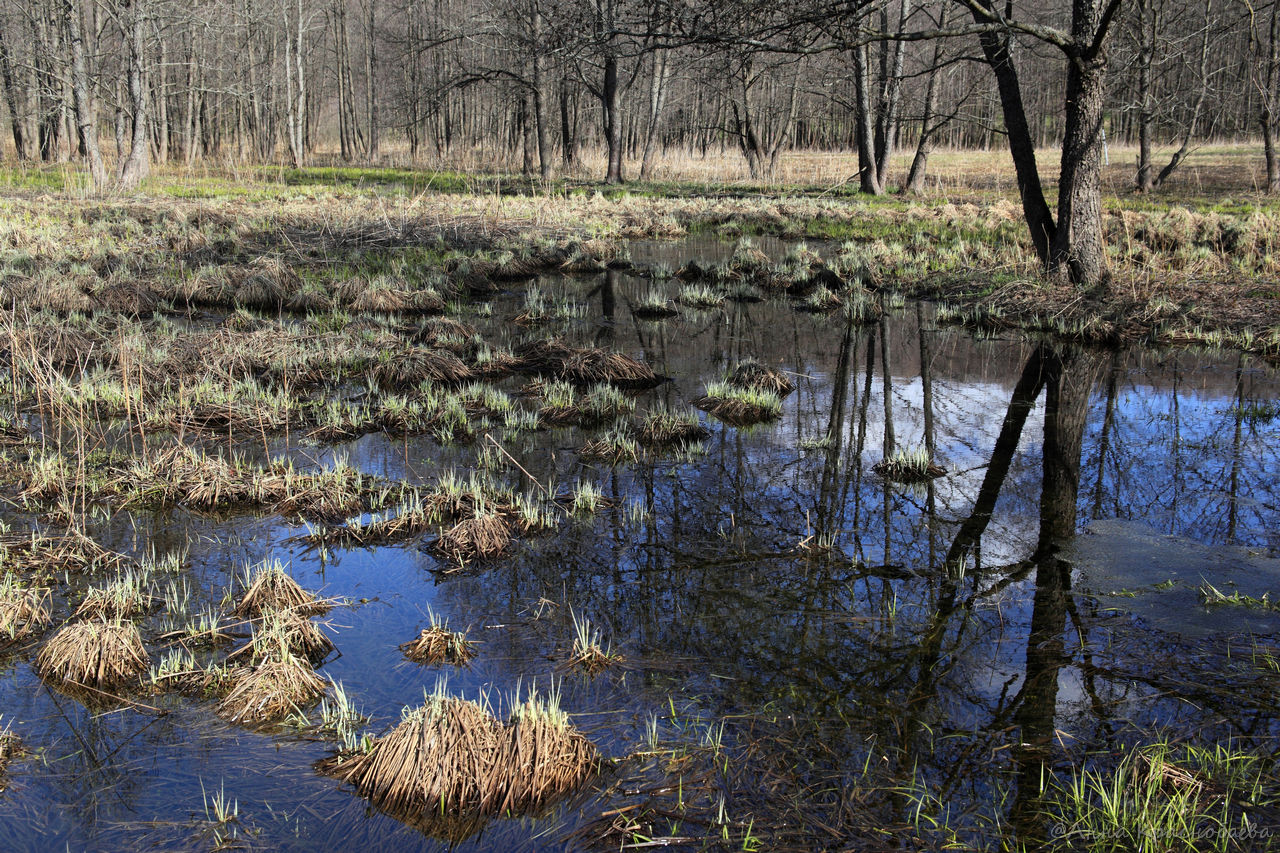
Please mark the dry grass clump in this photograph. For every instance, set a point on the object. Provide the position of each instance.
(663, 428)
(23, 609)
(127, 297)
(740, 406)
(909, 466)
(271, 588)
(124, 597)
(753, 374)
(542, 757)
(282, 633)
(93, 653)
(437, 644)
(30, 551)
(483, 536)
(407, 523)
(183, 474)
(453, 759)
(585, 366)
(411, 366)
(440, 758)
(279, 686)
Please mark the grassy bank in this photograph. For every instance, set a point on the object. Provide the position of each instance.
(1196, 264)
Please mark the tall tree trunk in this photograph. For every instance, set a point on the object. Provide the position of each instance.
(528, 140)
(924, 146)
(1270, 95)
(370, 61)
(160, 89)
(890, 100)
(11, 101)
(868, 168)
(568, 125)
(657, 100)
(138, 164)
(1148, 22)
(996, 49)
(1077, 250)
(539, 99)
(611, 100)
(86, 126)
(191, 127)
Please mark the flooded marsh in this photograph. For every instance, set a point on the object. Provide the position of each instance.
(658, 547)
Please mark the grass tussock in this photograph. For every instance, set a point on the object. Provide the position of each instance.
(436, 645)
(93, 653)
(662, 427)
(585, 366)
(740, 406)
(271, 588)
(483, 536)
(276, 687)
(752, 375)
(1181, 794)
(281, 634)
(452, 758)
(909, 466)
(24, 609)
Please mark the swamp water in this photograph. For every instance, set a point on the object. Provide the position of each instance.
(812, 656)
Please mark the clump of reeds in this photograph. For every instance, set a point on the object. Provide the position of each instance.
(819, 300)
(23, 609)
(542, 758)
(411, 366)
(436, 644)
(909, 466)
(282, 633)
(271, 588)
(613, 446)
(740, 406)
(590, 652)
(664, 428)
(179, 670)
(453, 759)
(559, 404)
(411, 519)
(603, 403)
(484, 535)
(278, 686)
(752, 374)
(700, 296)
(585, 366)
(10, 748)
(440, 757)
(96, 653)
(125, 596)
(653, 305)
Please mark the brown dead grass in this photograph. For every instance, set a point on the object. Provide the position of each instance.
(438, 645)
(271, 690)
(93, 653)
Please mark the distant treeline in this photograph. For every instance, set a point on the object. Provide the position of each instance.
(538, 81)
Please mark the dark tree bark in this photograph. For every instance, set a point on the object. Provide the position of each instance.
(611, 101)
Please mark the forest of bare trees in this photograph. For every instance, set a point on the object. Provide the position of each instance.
(537, 82)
